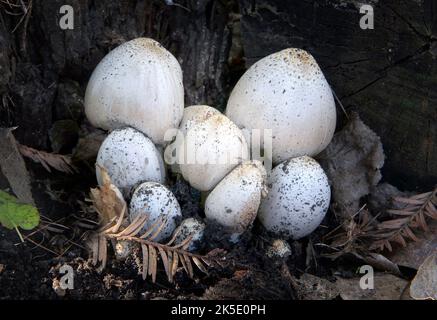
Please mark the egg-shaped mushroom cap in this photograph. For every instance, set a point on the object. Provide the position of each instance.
(190, 227)
(192, 115)
(130, 158)
(195, 114)
(158, 202)
(297, 200)
(234, 202)
(287, 93)
(138, 84)
(213, 147)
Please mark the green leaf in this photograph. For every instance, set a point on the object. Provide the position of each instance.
(14, 214)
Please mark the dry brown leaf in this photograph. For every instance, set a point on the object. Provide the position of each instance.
(13, 167)
(310, 287)
(165, 262)
(385, 287)
(103, 251)
(189, 266)
(199, 264)
(48, 160)
(414, 213)
(145, 260)
(153, 263)
(107, 199)
(414, 253)
(175, 265)
(111, 206)
(424, 284)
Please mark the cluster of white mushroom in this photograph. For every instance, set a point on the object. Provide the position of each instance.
(136, 91)
(287, 93)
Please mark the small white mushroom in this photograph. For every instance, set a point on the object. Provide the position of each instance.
(213, 147)
(278, 249)
(287, 93)
(156, 201)
(191, 227)
(138, 84)
(130, 158)
(298, 198)
(234, 202)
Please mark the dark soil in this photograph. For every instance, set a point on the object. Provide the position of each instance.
(30, 270)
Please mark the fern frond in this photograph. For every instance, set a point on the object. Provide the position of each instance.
(413, 217)
(112, 208)
(172, 256)
(48, 160)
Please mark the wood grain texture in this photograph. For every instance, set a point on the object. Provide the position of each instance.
(388, 74)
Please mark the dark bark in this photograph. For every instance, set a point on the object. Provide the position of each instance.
(50, 62)
(388, 74)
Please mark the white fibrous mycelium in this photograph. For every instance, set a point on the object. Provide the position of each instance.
(130, 158)
(297, 200)
(156, 201)
(287, 93)
(138, 84)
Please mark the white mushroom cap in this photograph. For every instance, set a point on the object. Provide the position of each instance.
(192, 115)
(279, 249)
(138, 84)
(195, 114)
(191, 227)
(234, 202)
(130, 158)
(287, 93)
(213, 148)
(298, 198)
(155, 200)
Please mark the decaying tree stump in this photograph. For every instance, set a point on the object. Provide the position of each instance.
(388, 74)
(41, 64)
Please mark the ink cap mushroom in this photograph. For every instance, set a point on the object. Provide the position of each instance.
(195, 114)
(158, 202)
(190, 227)
(234, 202)
(297, 200)
(287, 93)
(213, 147)
(130, 158)
(175, 152)
(138, 84)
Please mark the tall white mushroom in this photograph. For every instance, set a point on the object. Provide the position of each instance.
(175, 152)
(138, 84)
(213, 148)
(288, 93)
(234, 202)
